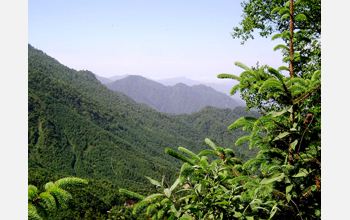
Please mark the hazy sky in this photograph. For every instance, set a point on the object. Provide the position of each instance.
(156, 39)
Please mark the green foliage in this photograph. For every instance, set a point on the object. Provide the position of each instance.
(52, 199)
(284, 180)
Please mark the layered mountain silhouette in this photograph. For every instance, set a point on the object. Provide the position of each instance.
(76, 125)
(177, 99)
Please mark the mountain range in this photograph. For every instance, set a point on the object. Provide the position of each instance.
(76, 125)
(177, 99)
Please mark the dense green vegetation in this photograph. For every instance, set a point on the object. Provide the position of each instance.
(76, 124)
(284, 180)
(177, 99)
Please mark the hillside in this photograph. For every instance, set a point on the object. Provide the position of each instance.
(177, 99)
(76, 124)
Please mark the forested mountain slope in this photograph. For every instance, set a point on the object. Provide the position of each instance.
(75, 125)
(177, 99)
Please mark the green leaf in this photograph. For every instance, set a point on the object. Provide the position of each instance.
(280, 136)
(154, 182)
(167, 192)
(267, 180)
(175, 184)
(273, 211)
(293, 144)
(276, 114)
(302, 172)
(289, 188)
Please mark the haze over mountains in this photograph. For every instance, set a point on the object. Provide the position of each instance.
(224, 86)
(177, 99)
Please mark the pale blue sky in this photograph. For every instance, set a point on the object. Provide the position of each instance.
(156, 39)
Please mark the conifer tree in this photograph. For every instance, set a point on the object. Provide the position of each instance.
(55, 197)
(284, 180)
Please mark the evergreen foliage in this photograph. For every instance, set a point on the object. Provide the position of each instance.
(284, 180)
(54, 198)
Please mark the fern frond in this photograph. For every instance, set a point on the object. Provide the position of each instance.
(229, 152)
(297, 88)
(297, 80)
(283, 68)
(32, 213)
(210, 143)
(161, 213)
(228, 76)
(285, 17)
(234, 89)
(239, 64)
(49, 201)
(275, 10)
(132, 194)
(49, 185)
(284, 11)
(276, 74)
(139, 206)
(286, 35)
(242, 140)
(70, 181)
(286, 59)
(188, 152)
(241, 122)
(206, 152)
(32, 193)
(178, 156)
(61, 196)
(250, 163)
(151, 208)
(316, 75)
(271, 83)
